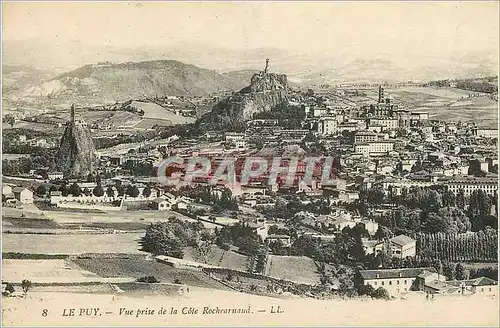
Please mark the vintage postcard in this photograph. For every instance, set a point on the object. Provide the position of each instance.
(250, 163)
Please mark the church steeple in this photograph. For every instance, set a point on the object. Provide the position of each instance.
(380, 94)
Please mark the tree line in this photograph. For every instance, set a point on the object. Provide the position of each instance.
(478, 246)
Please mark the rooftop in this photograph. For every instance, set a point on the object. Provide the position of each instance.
(394, 273)
(402, 240)
(481, 281)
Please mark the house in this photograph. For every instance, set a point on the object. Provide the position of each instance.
(470, 184)
(55, 175)
(479, 286)
(486, 133)
(160, 204)
(23, 195)
(6, 190)
(400, 246)
(368, 245)
(183, 202)
(397, 281)
(284, 239)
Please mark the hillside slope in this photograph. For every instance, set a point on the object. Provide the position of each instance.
(107, 82)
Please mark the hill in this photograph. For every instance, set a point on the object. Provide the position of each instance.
(265, 92)
(19, 77)
(107, 82)
(394, 69)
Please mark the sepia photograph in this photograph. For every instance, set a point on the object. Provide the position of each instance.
(249, 163)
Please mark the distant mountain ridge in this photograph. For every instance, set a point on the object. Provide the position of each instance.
(305, 66)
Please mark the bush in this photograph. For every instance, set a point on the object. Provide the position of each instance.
(26, 285)
(366, 290)
(9, 289)
(148, 279)
(225, 246)
(381, 293)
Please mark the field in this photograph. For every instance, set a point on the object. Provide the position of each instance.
(43, 271)
(29, 223)
(11, 157)
(219, 257)
(53, 129)
(71, 244)
(299, 269)
(154, 111)
(137, 267)
(148, 123)
(122, 220)
(448, 104)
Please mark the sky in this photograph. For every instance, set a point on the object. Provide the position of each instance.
(419, 28)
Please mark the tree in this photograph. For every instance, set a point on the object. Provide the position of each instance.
(357, 250)
(366, 290)
(432, 222)
(383, 233)
(9, 289)
(460, 199)
(64, 190)
(132, 191)
(75, 190)
(458, 222)
(120, 189)
(384, 259)
(448, 198)
(98, 191)
(346, 278)
(260, 259)
(204, 246)
(307, 246)
(376, 196)
(449, 270)
(148, 279)
(461, 273)
(41, 190)
(169, 238)
(479, 209)
(9, 119)
(26, 286)
(146, 192)
(90, 177)
(110, 191)
(277, 248)
(248, 244)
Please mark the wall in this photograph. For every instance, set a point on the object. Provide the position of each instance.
(394, 286)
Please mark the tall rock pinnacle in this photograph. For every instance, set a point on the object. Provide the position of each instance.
(76, 156)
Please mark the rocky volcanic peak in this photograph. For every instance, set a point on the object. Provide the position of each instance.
(266, 91)
(76, 156)
(263, 82)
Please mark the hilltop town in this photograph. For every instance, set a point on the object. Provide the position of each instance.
(412, 209)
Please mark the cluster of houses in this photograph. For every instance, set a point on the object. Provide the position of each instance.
(17, 194)
(398, 282)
